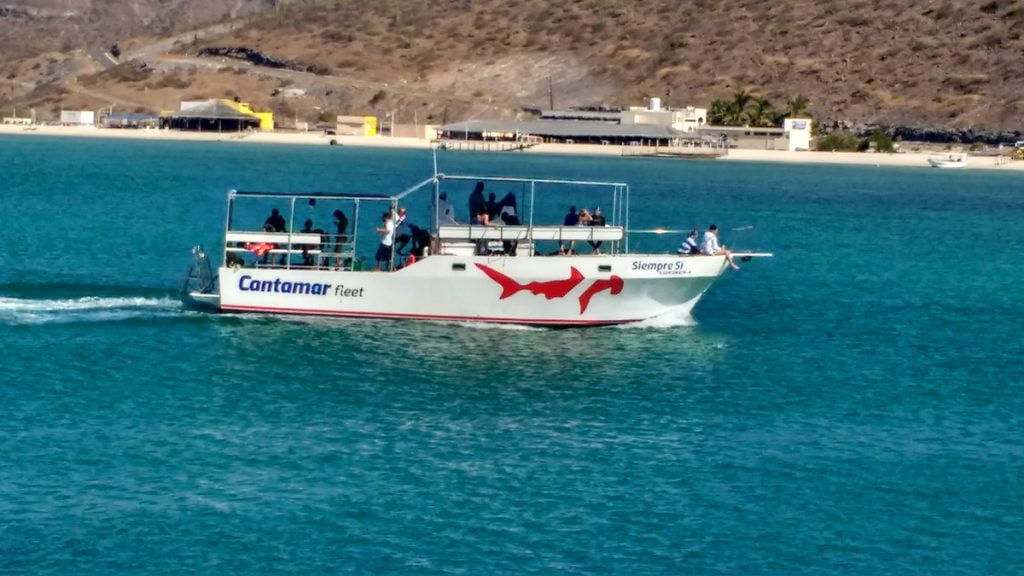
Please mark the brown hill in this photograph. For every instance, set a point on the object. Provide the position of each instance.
(936, 63)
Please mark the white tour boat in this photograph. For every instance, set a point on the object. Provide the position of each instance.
(480, 273)
(953, 160)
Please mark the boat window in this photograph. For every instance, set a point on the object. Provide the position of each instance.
(459, 266)
(604, 268)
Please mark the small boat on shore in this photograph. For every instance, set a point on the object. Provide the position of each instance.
(955, 160)
(502, 273)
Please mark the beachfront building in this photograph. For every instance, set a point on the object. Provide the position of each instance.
(794, 135)
(356, 126)
(130, 121)
(638, 126)
(219, 116)
(78, 117)
(566, 132)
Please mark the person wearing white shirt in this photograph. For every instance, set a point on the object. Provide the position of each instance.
(710, 246)
(403, 233)
(387, 233)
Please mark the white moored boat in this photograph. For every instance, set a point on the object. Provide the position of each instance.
(953, 160)
(466, 272)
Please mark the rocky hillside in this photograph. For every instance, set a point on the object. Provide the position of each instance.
(927, 63)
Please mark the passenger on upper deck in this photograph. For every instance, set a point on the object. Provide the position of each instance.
(476, 200)
(509, 217)
(482, 219)
(709, 246)
(507, 211)
(585, 218)
(571, 219)
(596, 220)
(275, 221)
(307, 228)
(341, 223)
(493, 208)
(445, 211)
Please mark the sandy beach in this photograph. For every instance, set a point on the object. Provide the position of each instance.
(904, 159)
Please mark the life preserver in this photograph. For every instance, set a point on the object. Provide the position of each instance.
(260, 249)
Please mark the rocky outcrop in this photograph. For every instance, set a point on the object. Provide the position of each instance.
(257, 58)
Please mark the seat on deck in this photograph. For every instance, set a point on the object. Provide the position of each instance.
(555, 233)
(309, 242)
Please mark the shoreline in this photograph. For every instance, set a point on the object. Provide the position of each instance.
(901, 159)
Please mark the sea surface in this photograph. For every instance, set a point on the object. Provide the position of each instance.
(854, 405)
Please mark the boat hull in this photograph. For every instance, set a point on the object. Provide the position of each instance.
(546, 291)
(947, 163)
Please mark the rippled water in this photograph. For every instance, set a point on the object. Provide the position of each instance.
(853, 405)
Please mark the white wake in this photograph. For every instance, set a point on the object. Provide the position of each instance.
(673, 319)
(15, 311)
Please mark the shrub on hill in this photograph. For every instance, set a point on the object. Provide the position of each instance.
(839, 142)
(879, 141)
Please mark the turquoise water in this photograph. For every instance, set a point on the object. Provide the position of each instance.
(854, 405)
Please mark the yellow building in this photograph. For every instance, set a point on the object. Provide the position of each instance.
(266, 118)
(356, 125)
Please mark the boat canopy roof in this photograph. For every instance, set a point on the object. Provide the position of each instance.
(437, 179)
(318, 195)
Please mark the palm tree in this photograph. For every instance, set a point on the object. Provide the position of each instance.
(718, 112)
(798, 106)
(761, 113)
(736, 114)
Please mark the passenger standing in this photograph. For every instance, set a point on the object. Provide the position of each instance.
(476, 200)
(571, 219)
(402, 232)
(340, 237)
(597, 220)
(341, 224)
(509, 217)
(387, 240)
(482, 219)
(307, 258)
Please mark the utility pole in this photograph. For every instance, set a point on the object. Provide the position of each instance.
(551, 95)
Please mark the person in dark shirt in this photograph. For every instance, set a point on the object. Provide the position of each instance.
(341, 222)
(341, 237)
(275, 221)
(476, 201)
(508, 216)
(482, 219)
(507, 211)
(571, 219)
(493, 208)
(307, 228)
(596, 220)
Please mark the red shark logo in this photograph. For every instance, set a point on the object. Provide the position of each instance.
(550, 290)
(554, 288)
(614, 284)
